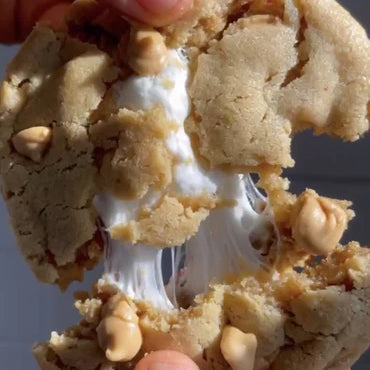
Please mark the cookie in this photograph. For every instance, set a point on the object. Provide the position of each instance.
(302, 77)
(130, 139)
(314, 319)
(53, 196)
(242, 115)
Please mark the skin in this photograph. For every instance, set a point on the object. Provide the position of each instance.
(156, 13)
(17, 18)
(166, 360)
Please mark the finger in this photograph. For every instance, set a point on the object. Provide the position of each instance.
(156, 13)
(166, 360)
(29, 12)
(55, 17)
(17, 17)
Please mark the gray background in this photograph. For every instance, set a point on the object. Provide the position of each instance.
(29, 311)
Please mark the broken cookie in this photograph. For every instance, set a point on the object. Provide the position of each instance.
(128, 139)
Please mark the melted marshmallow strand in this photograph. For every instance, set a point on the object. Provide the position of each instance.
(223, 244)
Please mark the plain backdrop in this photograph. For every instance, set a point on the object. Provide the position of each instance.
(30, 311)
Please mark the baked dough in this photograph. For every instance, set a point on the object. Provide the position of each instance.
(316, 319)
(260, 71)
(248, 97)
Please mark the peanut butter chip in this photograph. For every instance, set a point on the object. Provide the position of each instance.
(32, 142)
(147, 52)
(119, 334)
(238, 348)
(318, 223)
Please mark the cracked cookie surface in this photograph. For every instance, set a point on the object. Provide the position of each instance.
(53, 197)
(248, 97)
(269, 76)
(301, 320)
(259, 72)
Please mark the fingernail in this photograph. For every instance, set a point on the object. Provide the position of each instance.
(158, 6)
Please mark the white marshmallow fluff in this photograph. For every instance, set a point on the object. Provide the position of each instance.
(222, 244)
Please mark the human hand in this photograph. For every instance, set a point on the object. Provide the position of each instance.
(17, 17)
(153, 12)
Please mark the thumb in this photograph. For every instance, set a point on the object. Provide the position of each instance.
(166, 360)
(153, 12)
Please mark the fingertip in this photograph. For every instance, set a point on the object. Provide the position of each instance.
(166, 360)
